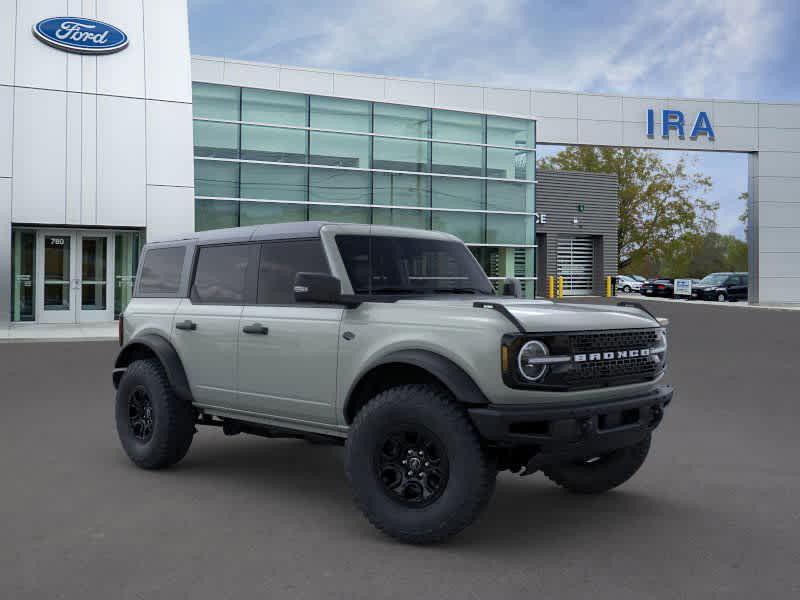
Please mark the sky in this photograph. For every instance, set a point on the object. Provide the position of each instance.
(733, 49)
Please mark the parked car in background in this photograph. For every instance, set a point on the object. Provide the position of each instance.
(721, 287)
(639, 278)
(628, 284)
(662, 288)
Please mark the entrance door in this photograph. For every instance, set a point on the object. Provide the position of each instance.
(73, 272)
(575, 263)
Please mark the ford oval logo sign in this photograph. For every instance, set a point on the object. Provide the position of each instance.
(84, 36)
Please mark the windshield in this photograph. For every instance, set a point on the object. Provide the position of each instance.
(714, 279)
(395, 265)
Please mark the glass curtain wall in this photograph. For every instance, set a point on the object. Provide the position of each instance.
(264, 156)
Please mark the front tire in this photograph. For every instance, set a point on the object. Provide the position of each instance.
(416, 466)
(154, 426)
(626, 289)
(601, 473)
(722, 297)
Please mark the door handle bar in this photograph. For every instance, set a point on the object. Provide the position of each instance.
(256, 328)
(186, 325)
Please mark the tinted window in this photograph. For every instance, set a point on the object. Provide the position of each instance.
(219, 277)
(393, 265)
(281, 261)
(161, 271)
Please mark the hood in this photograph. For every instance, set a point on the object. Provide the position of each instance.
(545, 315)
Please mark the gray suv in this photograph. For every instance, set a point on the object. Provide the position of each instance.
(393, 343)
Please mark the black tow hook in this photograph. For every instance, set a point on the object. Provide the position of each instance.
(656, 414)
(585, 428)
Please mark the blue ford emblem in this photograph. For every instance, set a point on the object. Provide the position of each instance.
(76, 34)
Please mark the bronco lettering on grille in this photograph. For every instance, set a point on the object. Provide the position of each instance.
(595, 356)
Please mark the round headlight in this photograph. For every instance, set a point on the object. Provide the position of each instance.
(530, 362)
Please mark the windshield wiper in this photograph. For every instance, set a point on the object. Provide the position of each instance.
(457, 290)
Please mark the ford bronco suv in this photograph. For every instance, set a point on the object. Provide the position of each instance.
(393, 343)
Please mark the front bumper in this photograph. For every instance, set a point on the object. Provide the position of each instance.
(558, 433)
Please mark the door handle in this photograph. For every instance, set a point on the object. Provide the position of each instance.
(256, 328)
(186, 325)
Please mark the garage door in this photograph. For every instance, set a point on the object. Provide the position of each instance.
(576, 264)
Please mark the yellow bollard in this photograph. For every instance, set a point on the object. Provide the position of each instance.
(561, 286)
(551, 287)
(608, 286)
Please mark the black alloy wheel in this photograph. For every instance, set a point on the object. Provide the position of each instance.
(412, 465)
(140, 414)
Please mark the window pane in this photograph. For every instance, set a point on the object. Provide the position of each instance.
(339, 214)
(273, 144)
(215, 101)
(220, 274)
(259, 213)
(215, 214)
(457, 159)
(213, 178)
(508, 229)
(281, 108)
(506, 131)
(503, 195)
(407, 121)
(400, 155)
(403, 190)
(273, 182)
(450, 192)
(457, 126)
(509, 164)
(216, 139)
(161, 270)
(339, 150)
(336, 185)
(127, 247)
(280, 263)
(23, 259)
(467, 226)
(336, 113)
(418, 219)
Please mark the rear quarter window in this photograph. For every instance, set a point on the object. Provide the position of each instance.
(161, 269)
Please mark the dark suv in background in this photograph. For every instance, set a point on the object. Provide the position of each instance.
(721, 287)
(662, 288)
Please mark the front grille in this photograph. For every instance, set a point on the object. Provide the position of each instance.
(599, 371)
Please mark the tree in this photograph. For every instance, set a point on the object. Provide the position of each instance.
(659, 202)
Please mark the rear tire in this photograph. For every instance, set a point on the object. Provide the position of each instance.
(154, 426)
(416, 466)
(602, 473)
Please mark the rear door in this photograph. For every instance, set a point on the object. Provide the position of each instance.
(739, 287)
(205, 329)
(287, 351)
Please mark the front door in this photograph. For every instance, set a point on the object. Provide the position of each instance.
(73, 272)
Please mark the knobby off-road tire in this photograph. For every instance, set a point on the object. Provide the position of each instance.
(602, 473)
(446, 480)
(155, 427)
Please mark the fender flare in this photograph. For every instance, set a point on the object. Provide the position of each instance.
(453, 377)
(165, 352)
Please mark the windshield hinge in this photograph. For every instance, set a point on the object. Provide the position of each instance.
(501, 308)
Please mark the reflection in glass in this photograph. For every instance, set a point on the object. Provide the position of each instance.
(273, 182)
(406, 121)
(338, 185)
(219, 140)
(216, 178)
(273, 144)
(509, 164)
(509, 229)
(457, 159)
(259, 213)
(215, 101)
(418, 219)
(402, 190)
(451, 192)
(339, 214)
(339, 150)
(280, 108)
(456, 126)
(23, 260)
(93, 273)
(509, 196)
(467, 226)
(400, 155)
(341, 114)
(127, 248)
(56, 272)
(215, 214)
(507, 131)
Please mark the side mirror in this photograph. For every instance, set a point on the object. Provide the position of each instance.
(317, 287)
(512, 287)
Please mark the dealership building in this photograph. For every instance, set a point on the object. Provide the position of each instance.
(112, 134)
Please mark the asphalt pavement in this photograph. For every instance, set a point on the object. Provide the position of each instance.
(714, 513)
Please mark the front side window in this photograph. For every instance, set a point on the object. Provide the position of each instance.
(220, 274)
(281, 261)
(395, 265)
(161, 271)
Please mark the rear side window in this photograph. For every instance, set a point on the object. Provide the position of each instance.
(220, 276)
(161, 271)
(281, 261)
